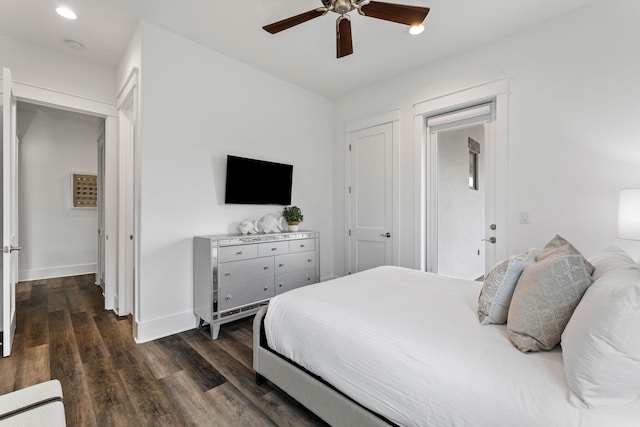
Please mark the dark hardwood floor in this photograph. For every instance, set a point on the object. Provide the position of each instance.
(107, 379)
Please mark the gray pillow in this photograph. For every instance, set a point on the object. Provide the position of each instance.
(559, 246)
(546, 295)
(497, 290)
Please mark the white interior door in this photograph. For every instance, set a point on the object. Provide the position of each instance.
(370, 197)
(9, 212)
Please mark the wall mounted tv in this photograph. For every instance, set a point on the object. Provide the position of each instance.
(257, 182)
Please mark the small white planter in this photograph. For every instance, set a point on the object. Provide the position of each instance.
(293, 226)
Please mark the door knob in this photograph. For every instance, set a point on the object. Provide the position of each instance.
(11, 248)
(490, 240)
(387, 235)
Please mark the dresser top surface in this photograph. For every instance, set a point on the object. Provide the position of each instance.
(243, 239)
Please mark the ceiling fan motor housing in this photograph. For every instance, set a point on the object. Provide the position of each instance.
(342, 6)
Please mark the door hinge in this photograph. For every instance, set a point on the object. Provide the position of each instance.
(349, 147)
(349, 232)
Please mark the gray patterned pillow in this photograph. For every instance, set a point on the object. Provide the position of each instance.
(497, 290)
(545, 297)
(559, 246)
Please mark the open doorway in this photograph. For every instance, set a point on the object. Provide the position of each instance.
(485, 104)
(59, 237)
(461, 201)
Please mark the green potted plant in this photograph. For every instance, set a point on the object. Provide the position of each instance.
(293, 216)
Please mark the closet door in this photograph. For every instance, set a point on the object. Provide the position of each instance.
(370, 197)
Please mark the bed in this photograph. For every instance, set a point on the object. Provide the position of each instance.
(395, 346)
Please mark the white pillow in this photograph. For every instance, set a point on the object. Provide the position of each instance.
(609, 258)
(498, 287)
(601, 343)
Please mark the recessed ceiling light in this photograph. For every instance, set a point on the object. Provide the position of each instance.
(65, 12)
(416, 29)
(74, 44)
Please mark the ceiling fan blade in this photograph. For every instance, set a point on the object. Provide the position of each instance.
(402, 14)
(344, 43)
(276, 27)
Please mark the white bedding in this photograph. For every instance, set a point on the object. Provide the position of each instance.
(408, 345)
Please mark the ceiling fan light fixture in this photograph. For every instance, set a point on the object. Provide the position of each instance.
(65, 12)
(414, 30)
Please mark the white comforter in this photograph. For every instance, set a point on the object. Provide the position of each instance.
(408, 345)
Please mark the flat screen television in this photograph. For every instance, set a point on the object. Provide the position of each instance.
(257, 182)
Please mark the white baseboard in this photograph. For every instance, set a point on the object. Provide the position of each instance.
(50, 273)
(163, 327)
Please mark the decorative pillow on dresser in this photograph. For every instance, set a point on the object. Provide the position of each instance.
(601, 343)
(546, 295)
(498, 287)
(559, 246)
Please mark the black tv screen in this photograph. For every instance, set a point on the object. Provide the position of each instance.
(257, 182)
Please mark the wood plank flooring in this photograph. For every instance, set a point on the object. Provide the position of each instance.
(107, 379)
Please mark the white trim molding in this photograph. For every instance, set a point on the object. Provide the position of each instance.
(52, 272)
(47, 97)
(164, 326)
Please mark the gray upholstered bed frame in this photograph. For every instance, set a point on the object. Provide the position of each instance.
(321, 399)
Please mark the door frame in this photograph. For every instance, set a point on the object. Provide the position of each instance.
(392, 117)
(128, 202)
(38, 95)
(497, 155)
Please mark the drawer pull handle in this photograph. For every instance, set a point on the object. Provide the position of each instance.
(228, 298)
(266, 267)
(280, 285)
(308, 279)
(266, 289)
(280, 265)
(239, 253)
(309, 260)
(302, 246)
(227, 274)
(274, 249)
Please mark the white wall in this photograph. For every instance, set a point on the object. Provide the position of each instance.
(573, 125)
(64, 73)
(197, 107)
(57, 240)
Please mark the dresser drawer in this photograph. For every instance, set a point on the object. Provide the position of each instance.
(295, 262)
(239, 294)
(273, 248)
(242, 271)
(302, 245)
(287, 282)
(236, 253)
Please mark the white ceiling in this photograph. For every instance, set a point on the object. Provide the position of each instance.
(304, 55)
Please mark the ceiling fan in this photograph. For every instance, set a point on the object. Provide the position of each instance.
(402, 14)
